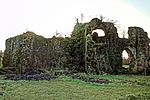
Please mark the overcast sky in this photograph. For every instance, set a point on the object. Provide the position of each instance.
(44, 17)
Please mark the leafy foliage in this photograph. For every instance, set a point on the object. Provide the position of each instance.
(29, 51)
(75, 48)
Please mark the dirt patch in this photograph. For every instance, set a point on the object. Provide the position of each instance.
(30, 77)
(90, 79)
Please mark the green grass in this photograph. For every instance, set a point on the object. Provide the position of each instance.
(65, 88)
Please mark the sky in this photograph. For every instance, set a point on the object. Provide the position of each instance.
(45, 17)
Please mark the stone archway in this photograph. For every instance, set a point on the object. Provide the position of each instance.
(125, 59)
(99, 32)
(131, 58)
(98, 35)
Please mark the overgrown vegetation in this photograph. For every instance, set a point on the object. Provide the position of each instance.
(76, 67)
(75, 49)
(84, 51)
(29, 51)
(37, 68)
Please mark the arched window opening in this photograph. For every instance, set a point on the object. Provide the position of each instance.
(125, 59)
(125, 54)
(99, 32)
(98, 35)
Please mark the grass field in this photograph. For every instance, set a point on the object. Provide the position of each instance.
(65, 88)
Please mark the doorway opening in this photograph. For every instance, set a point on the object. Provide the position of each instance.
(125, 59)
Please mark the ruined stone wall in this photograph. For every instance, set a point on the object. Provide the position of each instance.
(30, 51)
(104, 54)
(85, 50)
(139, 44)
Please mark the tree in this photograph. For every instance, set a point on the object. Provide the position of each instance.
(123, 34)
(82, 17)
(101, 17)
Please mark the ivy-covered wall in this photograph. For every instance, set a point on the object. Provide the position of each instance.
(29, 51)
(103, 54)
(84, 51)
